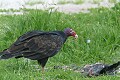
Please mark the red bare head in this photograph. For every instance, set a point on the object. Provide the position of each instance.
(70, 32)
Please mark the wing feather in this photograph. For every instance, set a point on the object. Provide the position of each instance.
(44, 46)
(28, 36)
(37, 45)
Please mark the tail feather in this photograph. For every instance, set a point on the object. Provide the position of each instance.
(1, 53)
(114, 66)
(109, 68)
(5, 55)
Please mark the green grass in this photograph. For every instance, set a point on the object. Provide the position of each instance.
(101, 26)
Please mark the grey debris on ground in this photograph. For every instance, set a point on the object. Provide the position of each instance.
(66, 8)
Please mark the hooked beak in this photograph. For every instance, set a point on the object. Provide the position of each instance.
(76, 36)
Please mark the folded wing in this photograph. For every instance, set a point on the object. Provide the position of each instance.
(35, 45)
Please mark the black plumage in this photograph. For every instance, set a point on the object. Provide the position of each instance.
(38, 45)
(100, 69)
(110, 69)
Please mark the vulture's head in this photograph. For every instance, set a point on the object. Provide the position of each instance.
(70, 32)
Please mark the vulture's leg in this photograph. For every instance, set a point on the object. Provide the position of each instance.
(43, 62)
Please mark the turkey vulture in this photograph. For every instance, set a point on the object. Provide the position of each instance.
(38, 45)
